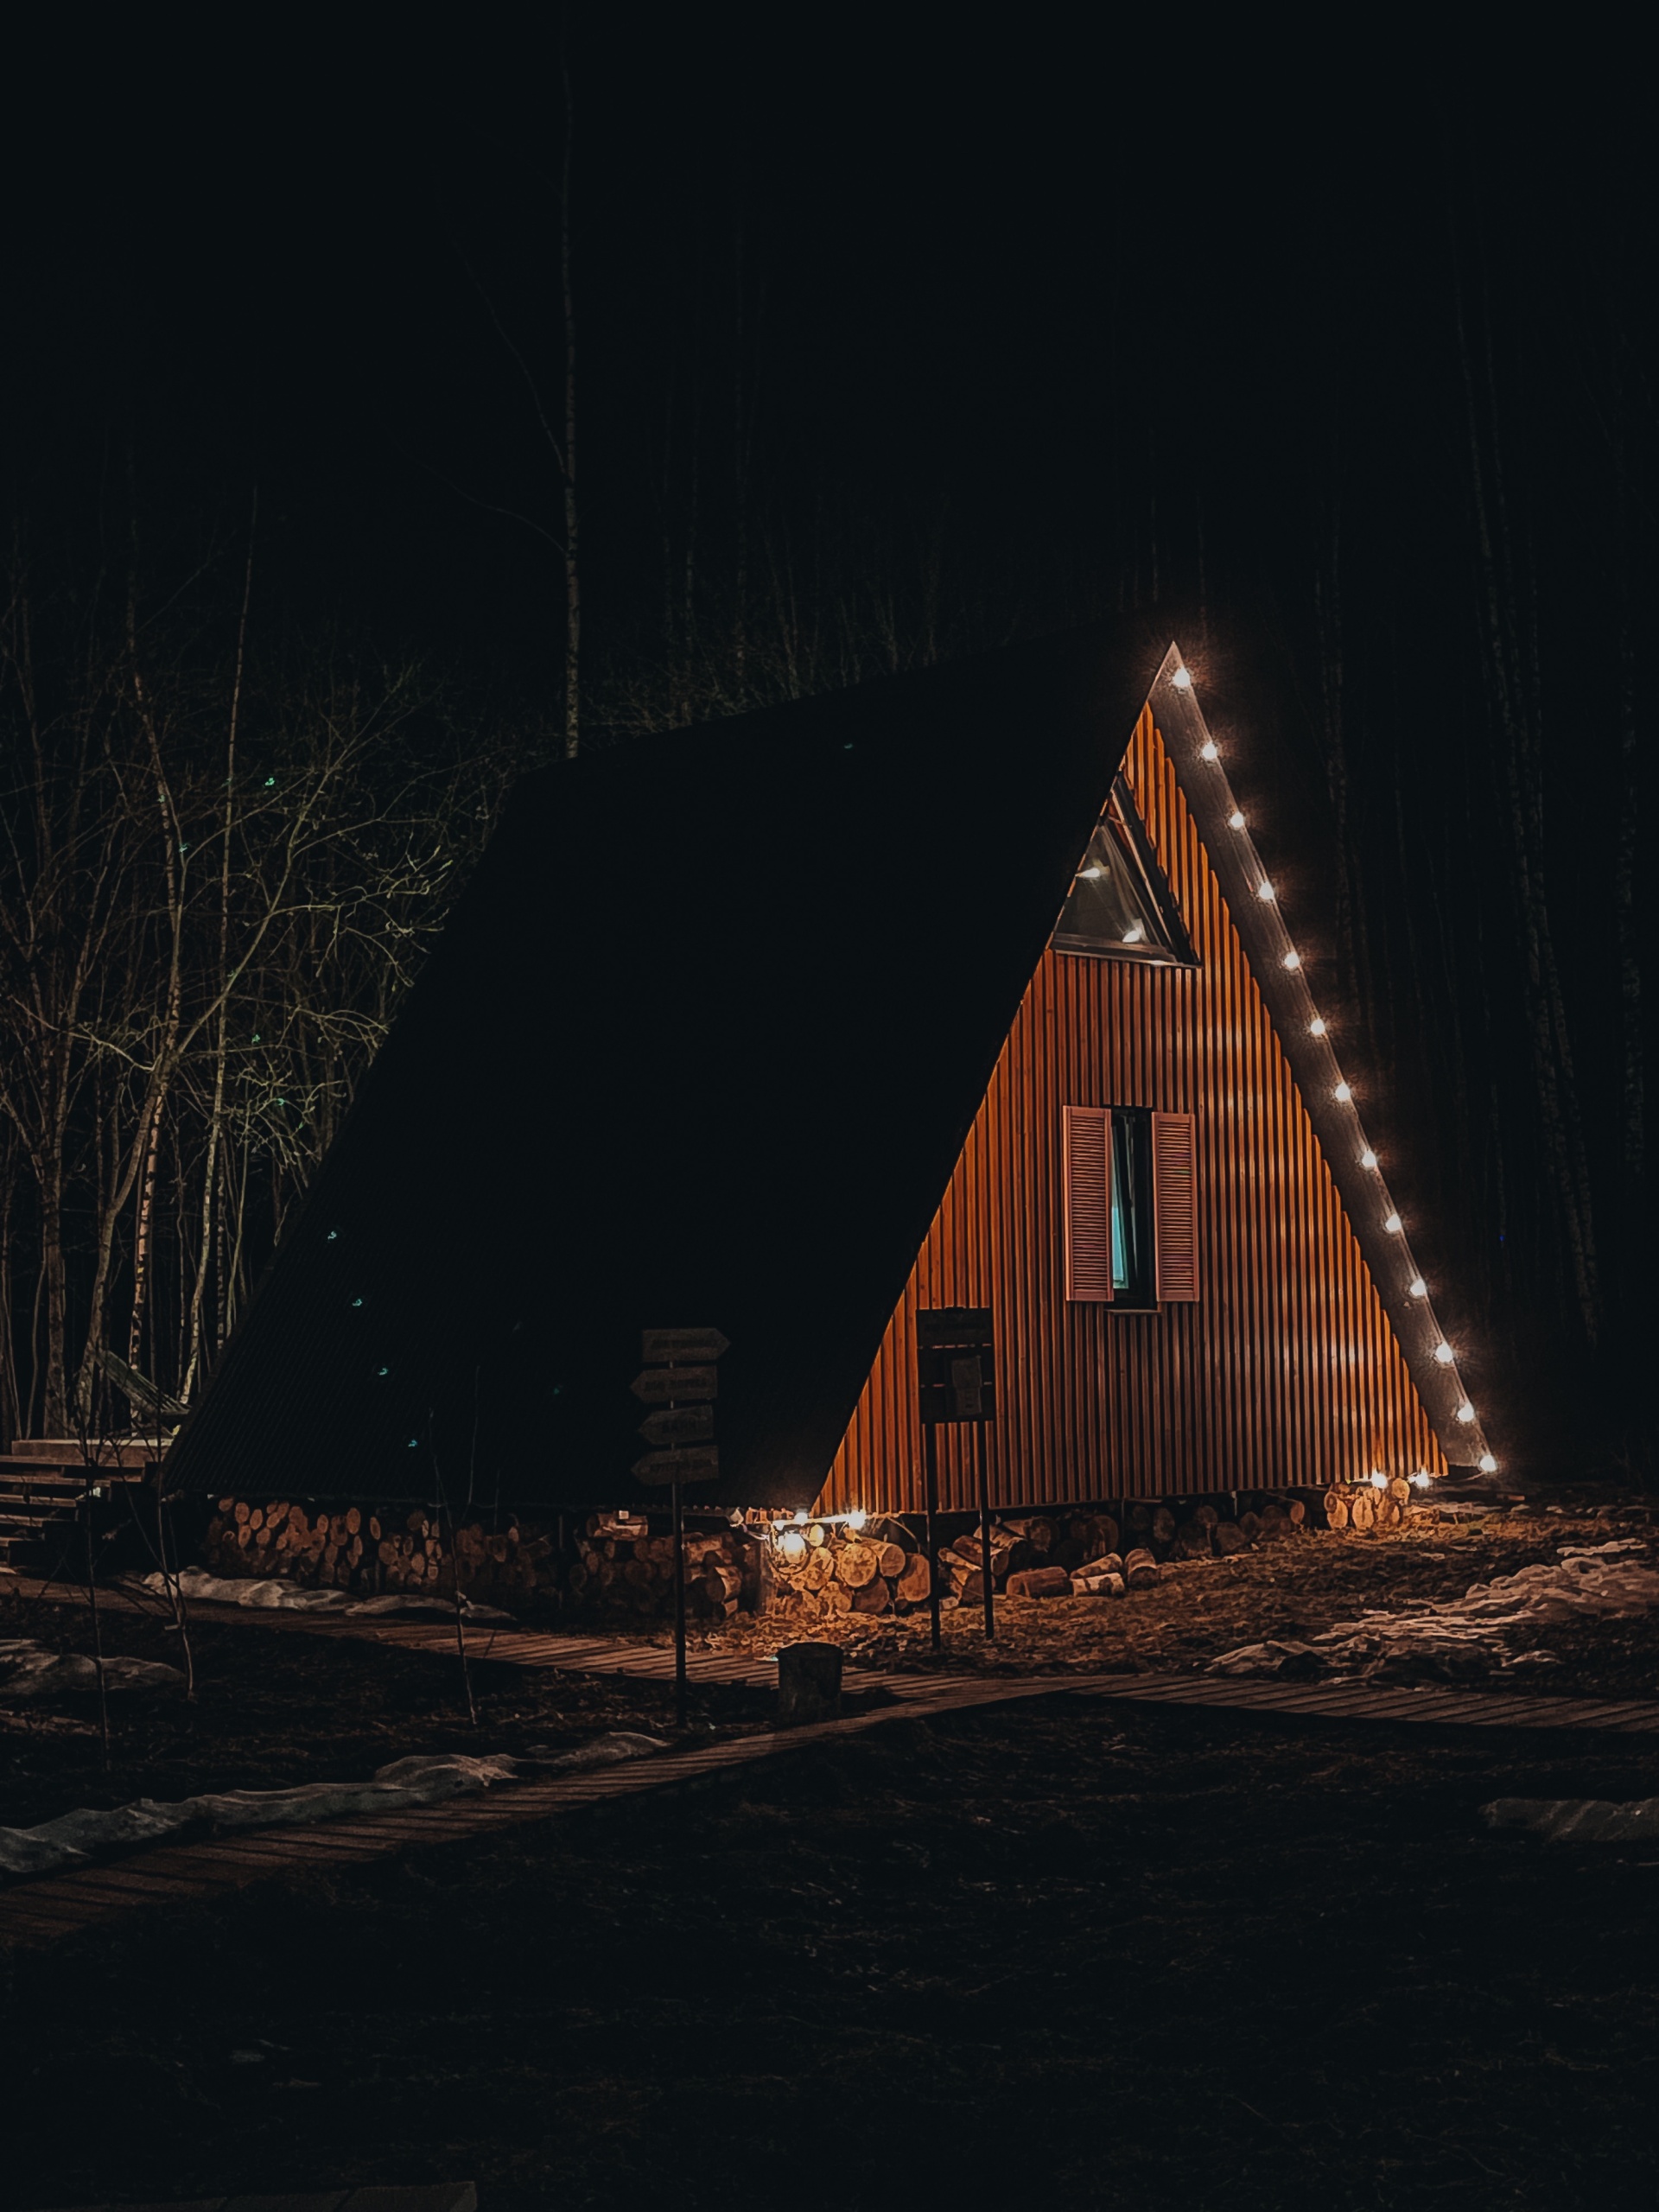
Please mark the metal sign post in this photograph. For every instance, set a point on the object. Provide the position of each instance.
(681, 1380)
(679, 1607)
(931, 1460)
(955, 1374)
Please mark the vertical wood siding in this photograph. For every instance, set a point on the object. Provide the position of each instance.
(1284, 1370)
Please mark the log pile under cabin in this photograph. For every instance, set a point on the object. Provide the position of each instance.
(822, 1567)
(619, 1565)
(372, 1551)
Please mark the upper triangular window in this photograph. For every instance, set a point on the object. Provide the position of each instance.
(1120, 907)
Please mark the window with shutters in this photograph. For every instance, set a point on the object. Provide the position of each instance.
(1131, 1208)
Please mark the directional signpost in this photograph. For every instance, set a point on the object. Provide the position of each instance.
(680, 1380)
(956, 1377)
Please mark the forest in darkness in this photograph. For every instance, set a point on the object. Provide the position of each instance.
(840, 358)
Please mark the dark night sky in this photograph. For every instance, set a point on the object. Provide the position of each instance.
(251, 265)
(1113, 320)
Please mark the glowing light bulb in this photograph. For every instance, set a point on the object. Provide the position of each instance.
(1134, 932)
(1487, 1464)
(1291, 960)
(1182, 679)
(1316, 1027)
(793, 1545)
(1368, 1158)
(1208, 750)
(1466, 1413)
(1417, 1287)
(855, 1520)
(1444, 1354)
(1343, 1092)
(1264, 892)
(1377, 1481)
(1420, 1480)
(1235, 820)
(1089, 873)
(1394, 1225)
(800, 1519)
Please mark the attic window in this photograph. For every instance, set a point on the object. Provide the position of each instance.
(1120, 907)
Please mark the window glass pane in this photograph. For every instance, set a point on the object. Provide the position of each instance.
(1132, 1226)
(1115, 911)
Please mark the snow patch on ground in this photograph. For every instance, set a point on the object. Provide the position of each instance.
(74, 1838)
(277, 1596)
(30, 1670)
(1471, 1637)
(1577, 1820)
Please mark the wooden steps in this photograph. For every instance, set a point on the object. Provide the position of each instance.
(42, 1478)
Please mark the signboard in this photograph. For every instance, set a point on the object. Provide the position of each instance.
(956, 1365)
(681, 1380)
(681, 1347)
(696, 1465)
(678, 1425)
(659, 1386)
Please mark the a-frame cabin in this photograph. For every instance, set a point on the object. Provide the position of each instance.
(1146, 1203)
(963, 988)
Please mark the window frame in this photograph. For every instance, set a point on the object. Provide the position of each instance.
(1121, 819)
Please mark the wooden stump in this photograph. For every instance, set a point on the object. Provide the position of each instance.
(1230, 1539)
(1041, 1582)
(915, 1582)
(857, 1565)
(809, 1684)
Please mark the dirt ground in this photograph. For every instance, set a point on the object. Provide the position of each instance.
(1089, 1953)
(278, 1706)
(1072, 1954)
(1288, 1589)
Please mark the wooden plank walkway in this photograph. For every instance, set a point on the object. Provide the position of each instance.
(1369, 1701)
(51, 1906)
(615, 1655)
(581, 1654)
(445, 2196)
(42, 1911)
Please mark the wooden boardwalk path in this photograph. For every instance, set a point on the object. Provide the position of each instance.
(47, 1907)
(51, 1906)
(1443, 1708)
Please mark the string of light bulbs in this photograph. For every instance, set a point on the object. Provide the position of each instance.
(1439, 1350)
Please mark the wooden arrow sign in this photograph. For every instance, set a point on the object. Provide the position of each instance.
(660, 1347)
(696, 1467)
(658, 1385)
(681, 1425)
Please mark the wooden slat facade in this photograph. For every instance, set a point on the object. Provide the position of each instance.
(1284, 1370)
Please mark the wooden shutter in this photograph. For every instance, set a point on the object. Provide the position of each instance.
(1088, 1205)
(1175, 1209)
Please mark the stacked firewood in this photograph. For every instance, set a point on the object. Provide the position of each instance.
(1042, 1555)
(620, 1565)
(306, 1545)
(353, 1548)
(826, 1567)
(1368, 1509)
(820, 1567)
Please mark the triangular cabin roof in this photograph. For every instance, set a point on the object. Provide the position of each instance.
(699, 1048)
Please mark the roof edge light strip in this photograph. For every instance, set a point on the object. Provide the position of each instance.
(1207, 790)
